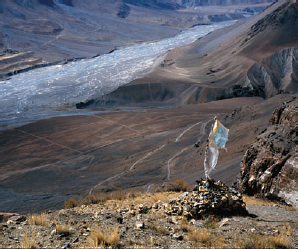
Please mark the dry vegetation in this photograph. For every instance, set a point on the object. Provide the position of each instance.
(29, 242)
(178, 186)
(104, 237)
(38, 219)
(127, 195)
(262, 242)
(253, 201)
(99, 225)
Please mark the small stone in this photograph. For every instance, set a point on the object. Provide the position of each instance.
(66, 245)
(17, 219)
(224, 199)
(192, 222)
(120, 220)
(172, 201)
(173, 220)
(178, 236)
(53, 232)
(139, 225)
(223, 222)
(202, 188)
(155, 206)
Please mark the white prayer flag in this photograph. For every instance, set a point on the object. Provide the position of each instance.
(217, 139)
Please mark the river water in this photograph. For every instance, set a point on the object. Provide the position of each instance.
(54, 90)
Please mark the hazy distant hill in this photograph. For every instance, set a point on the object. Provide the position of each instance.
(174, 4)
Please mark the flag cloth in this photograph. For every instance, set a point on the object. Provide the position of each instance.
(217, 140)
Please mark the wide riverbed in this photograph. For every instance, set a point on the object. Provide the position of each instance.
(54, 90)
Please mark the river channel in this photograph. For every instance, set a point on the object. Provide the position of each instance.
(54, 90)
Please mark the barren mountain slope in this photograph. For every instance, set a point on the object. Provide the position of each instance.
(46, 162)
(38, 32)
(255, 57)
(258, 60)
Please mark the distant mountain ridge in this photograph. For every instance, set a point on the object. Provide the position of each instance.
(59, 30)
(256, 58)
(175, 4)
(171, 4)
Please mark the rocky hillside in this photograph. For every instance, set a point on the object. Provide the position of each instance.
(268, 167)
(260, 62)
(204, 217)
(275, 74)
(255, 57)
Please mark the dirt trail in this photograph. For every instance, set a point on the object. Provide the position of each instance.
(202, 133)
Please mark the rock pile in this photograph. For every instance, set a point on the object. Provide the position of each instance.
(209, 197)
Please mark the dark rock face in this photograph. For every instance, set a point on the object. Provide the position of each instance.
(225, 17)
(67, 2)
(123, 11)
(134, 94)
(268, 168)
(49, 3)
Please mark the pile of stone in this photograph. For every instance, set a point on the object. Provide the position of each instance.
(208, 198)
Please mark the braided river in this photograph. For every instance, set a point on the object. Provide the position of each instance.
(54, 90)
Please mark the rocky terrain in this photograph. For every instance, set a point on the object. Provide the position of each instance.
(212, 215)
(268, 167)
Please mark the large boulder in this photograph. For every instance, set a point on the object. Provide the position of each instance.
(268, 167)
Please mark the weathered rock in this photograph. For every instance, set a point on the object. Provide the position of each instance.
(140, 225)
(16, 219)
(268, 168)
(178, 236)
(5, 216)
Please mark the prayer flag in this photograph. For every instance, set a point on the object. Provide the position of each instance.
(217, 139)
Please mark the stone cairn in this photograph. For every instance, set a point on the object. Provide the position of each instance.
(208, 198)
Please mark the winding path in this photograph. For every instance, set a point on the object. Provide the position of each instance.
(125, 171)
(202, 133)
(170, 160)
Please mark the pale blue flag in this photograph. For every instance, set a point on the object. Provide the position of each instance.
(217, 140)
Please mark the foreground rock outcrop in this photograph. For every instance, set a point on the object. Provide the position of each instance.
(268, 167)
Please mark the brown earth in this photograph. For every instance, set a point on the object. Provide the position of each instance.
(143, 221)
(46, 162)
(145, 145)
